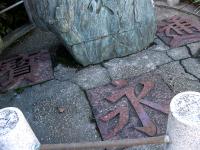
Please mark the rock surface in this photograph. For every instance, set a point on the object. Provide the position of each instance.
(97, 30)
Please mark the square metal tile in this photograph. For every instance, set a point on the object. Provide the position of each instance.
(25, 70)
(178, 31)
(131, 108)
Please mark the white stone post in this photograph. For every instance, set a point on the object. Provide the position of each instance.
(184, 122)
(173, 2)
(15, 132)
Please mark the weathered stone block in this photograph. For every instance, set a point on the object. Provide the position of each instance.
(97, 30)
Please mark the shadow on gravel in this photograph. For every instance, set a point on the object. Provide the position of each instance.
(60, 55)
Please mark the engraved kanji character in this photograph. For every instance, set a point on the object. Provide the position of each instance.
(17, 68)
(179, 29)
(136, 99)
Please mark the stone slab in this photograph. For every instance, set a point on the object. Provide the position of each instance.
(195, 49)
(63, 73)
(192, 65)
(178, 31)
(25, 70)
(158, 45)
(117, 117)
(182, 85)
(136, 64)
(178, 80)
(178, 53)
(91, 77)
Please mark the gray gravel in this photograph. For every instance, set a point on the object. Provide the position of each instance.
(40, 106)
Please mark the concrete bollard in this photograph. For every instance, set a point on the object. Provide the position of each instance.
(184, 122)
(15, 132)
(173, 2)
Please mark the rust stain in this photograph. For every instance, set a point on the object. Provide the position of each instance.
(25, 69)
(113, 114)
(178, 31)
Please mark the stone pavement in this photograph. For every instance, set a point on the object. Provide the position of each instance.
(43, 104)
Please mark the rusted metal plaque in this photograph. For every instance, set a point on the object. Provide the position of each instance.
(178, 31)
(24, 70)
(131, 108)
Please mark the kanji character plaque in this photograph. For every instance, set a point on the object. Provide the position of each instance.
(24, 70)
(131, 108)
(178, 31)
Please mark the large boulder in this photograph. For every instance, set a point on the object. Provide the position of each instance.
(97, 30)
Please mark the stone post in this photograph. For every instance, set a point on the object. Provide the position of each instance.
(184, 122)
(15, 132)
(173, 2)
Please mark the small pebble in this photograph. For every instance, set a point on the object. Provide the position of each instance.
(61, 109)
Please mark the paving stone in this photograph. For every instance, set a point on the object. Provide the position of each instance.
(63, 73)
(195, 48)
(182, 85)
(40, 106)
(178, 53)
(91, 77)
(158, 46)
(135, 65)
(173, 73)
(192, 66)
